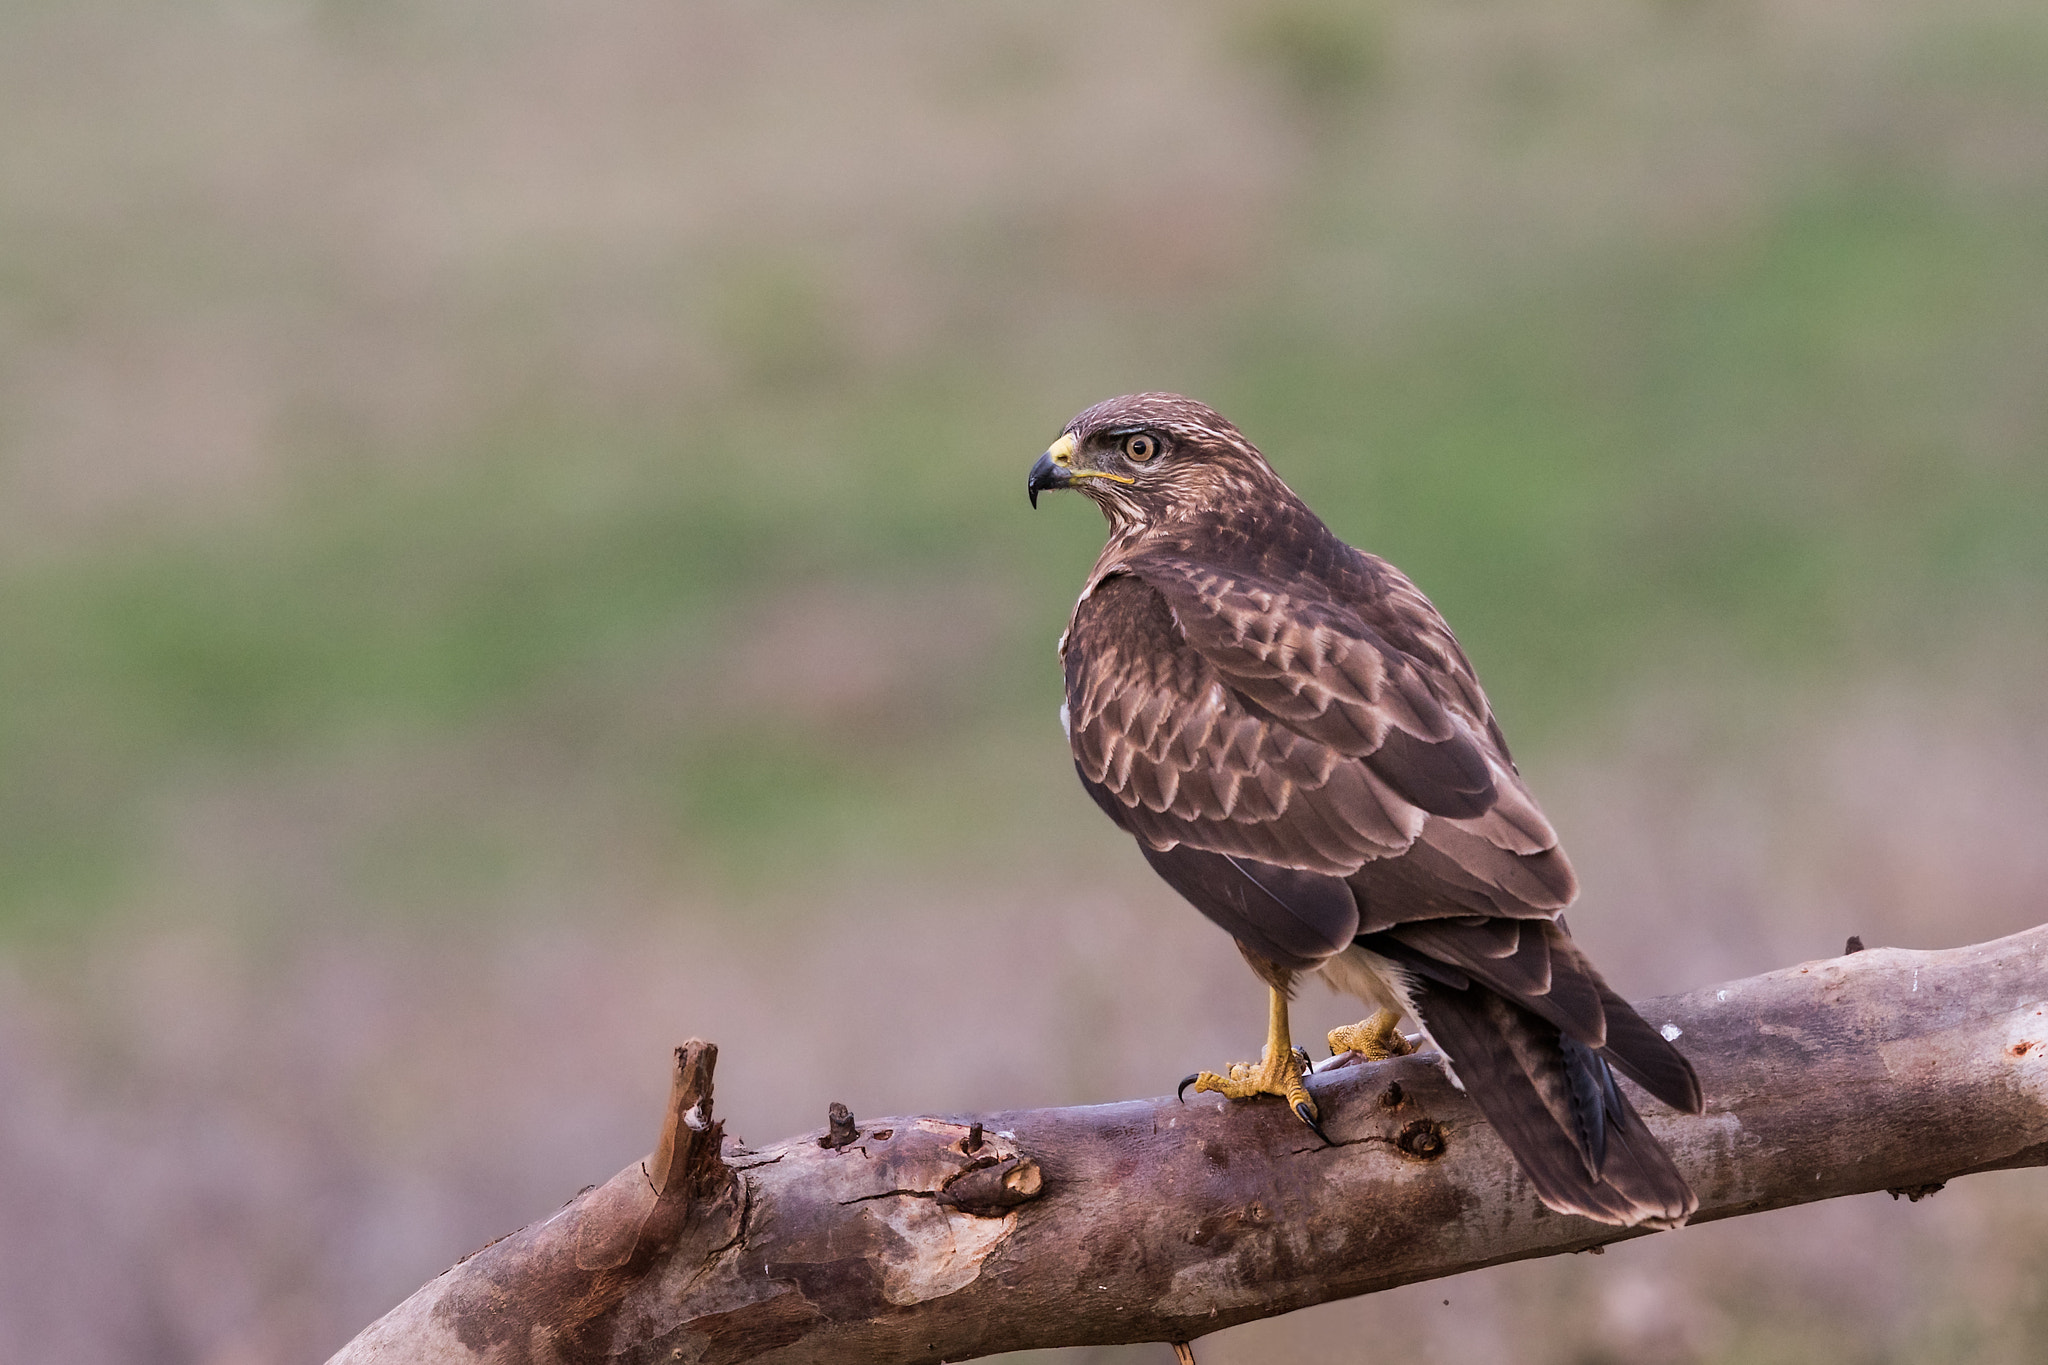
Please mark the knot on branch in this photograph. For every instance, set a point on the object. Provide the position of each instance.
(991, 1188)
(1422, 1139)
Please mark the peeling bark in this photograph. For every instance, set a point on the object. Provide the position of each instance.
(930, 1239)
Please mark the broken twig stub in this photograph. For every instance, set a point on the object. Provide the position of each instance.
(839, 1128)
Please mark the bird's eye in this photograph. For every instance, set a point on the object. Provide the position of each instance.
(1140, 447)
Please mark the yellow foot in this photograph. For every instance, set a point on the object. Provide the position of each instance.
(1378, 1038)
(1278, 1072)
(1247, 1081)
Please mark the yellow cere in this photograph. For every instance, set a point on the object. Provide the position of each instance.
(1062, 453)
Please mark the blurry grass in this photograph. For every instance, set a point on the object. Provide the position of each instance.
(1321, 53)
(1773, 454)
(1765, 453)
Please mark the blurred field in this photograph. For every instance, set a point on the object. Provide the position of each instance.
(512, 552)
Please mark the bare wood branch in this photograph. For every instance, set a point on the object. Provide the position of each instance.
(930, 1239)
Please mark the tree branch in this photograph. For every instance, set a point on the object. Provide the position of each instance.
(929, 1239)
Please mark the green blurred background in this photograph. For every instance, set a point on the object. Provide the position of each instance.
(513, 552)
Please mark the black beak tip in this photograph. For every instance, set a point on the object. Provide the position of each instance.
(1045, 473)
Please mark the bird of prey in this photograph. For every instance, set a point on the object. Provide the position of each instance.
(1293, 736)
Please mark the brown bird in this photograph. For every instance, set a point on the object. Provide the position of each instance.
(1301, 749)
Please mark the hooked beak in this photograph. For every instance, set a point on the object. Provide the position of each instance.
(1054, 469)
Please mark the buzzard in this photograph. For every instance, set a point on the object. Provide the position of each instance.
(1299, 746)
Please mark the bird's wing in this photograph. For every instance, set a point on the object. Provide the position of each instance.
(1182, 757)
(1376, 679)
(1372, 678)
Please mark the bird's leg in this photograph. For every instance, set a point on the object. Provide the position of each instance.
(1278, 1071)
(1378, 1038)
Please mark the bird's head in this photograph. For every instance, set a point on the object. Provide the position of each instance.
(1149, 458)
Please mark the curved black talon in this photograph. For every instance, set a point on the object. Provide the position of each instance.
(1301, 1111)
(1181, 1092)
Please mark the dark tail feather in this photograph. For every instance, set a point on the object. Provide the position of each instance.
(1641, 1053)
(1554, 1103)
(1450, 953)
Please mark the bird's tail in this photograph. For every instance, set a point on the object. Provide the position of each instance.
(1554, 1102)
